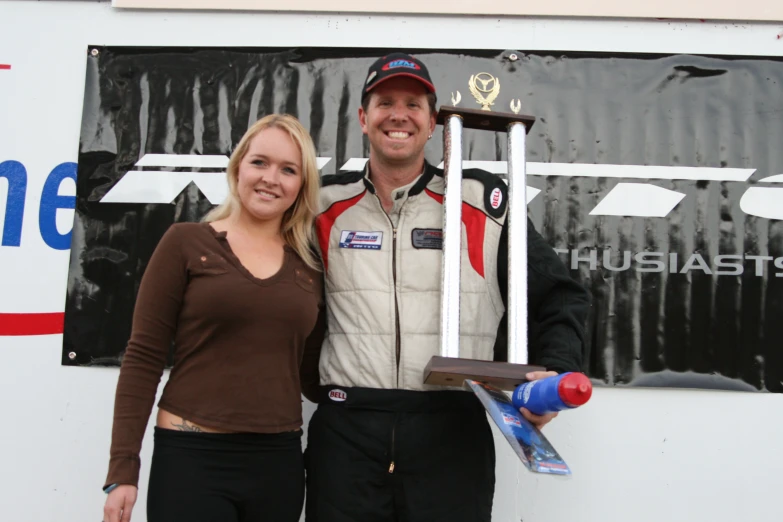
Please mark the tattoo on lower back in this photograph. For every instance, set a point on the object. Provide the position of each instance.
(186, 427)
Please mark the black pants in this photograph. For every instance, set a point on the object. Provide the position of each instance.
(210, 477)
(400, 456)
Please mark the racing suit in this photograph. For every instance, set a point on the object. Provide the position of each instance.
(382, 445)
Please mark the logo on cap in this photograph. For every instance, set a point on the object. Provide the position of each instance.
(370, 77)
(395, 64)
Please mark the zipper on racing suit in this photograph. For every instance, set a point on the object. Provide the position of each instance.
(391, 464)
(396, 318)
(394, 280)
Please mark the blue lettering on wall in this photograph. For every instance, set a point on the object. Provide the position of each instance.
(51, 201)
(16, 175)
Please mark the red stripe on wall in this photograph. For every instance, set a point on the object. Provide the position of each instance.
(4, 66)
(31, 324)
(475, 222)
(324, 223)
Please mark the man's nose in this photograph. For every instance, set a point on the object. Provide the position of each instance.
(399, 112)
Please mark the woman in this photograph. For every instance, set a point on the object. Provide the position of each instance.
(240, 297)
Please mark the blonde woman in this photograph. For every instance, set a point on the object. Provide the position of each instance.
(240, 298)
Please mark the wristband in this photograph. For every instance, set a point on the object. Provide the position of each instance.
(108, 489)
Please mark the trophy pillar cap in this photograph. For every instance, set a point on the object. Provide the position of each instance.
(485, 120)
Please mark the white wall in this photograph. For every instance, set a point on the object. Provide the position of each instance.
(695, 9)
(641, 455)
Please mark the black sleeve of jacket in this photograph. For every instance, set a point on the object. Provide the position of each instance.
(309, 378)
(557, 307)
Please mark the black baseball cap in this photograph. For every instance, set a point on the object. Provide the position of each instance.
(394, 65)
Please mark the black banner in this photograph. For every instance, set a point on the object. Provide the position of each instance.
(685, 265)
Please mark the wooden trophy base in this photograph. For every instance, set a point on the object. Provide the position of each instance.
(451, 371)
(484, 120)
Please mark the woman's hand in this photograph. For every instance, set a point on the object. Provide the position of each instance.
(119, 503)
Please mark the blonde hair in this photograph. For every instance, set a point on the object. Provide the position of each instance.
(297, 225)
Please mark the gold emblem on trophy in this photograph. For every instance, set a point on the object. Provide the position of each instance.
(485, 88)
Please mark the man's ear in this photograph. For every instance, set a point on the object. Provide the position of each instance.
(363, 119)
(433, 124)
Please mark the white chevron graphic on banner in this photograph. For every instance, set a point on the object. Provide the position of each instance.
(625, 199)
(763, 202)
(355, 164)
(183, 160)
(322, 162)
(638, 199)
(594, 170)
(156, 186)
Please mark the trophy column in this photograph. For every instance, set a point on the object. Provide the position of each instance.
(517, 244)
(449, 369)
(452, 237)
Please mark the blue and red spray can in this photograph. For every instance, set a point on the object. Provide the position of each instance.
(552, 394)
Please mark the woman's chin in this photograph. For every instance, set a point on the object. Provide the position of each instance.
(264, 214)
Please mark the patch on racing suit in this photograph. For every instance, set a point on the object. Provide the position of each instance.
(495, 198)
(495, 194)
(363, 240)
(338, 395)
(431, 238)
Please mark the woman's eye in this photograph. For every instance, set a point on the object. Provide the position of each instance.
(258, 162)
(289, 170)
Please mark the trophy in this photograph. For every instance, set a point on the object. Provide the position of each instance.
(448, 369)
(488, 380)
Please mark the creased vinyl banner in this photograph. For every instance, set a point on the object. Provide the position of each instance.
(656, 178)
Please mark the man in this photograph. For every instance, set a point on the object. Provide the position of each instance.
(383, 446)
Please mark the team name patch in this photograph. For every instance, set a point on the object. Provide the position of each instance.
(338, 395)
(431, 238)
(365, 240)
(395, 64)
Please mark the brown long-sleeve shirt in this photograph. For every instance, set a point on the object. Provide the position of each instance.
(244, 348)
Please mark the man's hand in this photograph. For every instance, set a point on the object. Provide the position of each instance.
(538, 420)
(119, 503)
